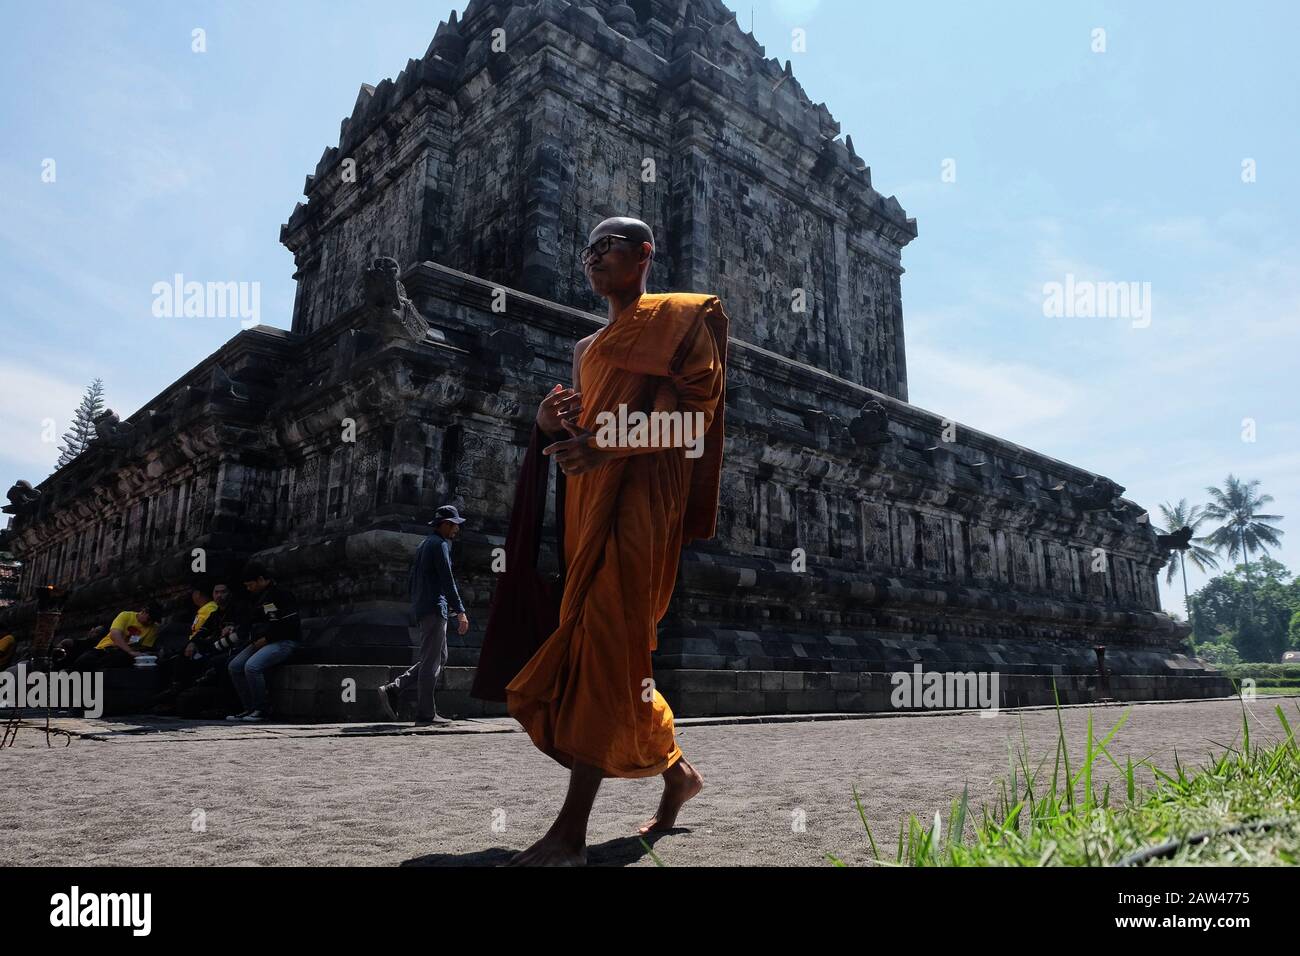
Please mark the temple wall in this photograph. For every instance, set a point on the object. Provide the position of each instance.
(920, 508)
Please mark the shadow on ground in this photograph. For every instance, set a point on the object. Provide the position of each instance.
(621, 852)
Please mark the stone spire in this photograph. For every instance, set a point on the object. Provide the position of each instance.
(449, 43)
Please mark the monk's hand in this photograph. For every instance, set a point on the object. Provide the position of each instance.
(462, 623)
(561, 405)
(574, 454)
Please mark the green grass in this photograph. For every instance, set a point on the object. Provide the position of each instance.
(1263, 673)
(1064, 820)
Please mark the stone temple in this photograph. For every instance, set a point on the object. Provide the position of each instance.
(439, 295)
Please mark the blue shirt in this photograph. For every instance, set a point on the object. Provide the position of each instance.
(432, 585)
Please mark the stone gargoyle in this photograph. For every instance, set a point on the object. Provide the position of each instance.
(112, 431)
(1101, 494)
(387, 304)
(870, 428)
(1178, 540)
(23, 499)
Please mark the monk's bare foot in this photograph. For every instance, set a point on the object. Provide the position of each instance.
(551, 850)
(681, 782)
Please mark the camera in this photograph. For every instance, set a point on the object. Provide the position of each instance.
(226, 641)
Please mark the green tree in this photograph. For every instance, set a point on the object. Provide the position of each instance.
(1243, 530)
(1215, 609)
(1178, 516)
(1224, 654)
(79, 436)
(1254, 620)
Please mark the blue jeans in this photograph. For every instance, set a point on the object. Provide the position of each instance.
(248, 671)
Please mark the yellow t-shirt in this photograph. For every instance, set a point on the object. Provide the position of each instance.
(201, 616)
(137, 634)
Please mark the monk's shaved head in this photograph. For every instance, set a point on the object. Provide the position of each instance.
(617, 268)
(623, 226)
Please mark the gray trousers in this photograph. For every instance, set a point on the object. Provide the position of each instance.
(426, 670)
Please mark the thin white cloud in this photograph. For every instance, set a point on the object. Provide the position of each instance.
(1183, 230)
(1004, 398)
(31, 398)
(795, 9)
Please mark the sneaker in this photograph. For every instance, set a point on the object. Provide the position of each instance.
(437, 720)
(239, 716)
(388, 697)
(252, 717)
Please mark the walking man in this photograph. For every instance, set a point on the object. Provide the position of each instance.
(587, 697)
(433, 596)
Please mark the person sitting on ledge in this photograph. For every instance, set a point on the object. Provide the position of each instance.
(275, 629)
(210, 642)
(131, 634)
(79, 645)
(67, 650)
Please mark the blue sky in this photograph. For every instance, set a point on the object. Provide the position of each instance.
(1122, 165)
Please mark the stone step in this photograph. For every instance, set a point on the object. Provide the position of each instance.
(774, 649)
(351, 692)
(348, 692)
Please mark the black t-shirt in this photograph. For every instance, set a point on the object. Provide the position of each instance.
(276, 610)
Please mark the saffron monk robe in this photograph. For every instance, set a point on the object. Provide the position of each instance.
(587, 696)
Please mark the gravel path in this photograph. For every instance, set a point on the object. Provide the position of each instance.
(775, 793)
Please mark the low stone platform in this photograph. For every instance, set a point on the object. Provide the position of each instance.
(130, 690)
(711, 692)
(342, 692)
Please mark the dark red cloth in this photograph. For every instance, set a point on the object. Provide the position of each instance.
(525, 607)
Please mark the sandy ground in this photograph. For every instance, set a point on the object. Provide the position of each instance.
(776, 793)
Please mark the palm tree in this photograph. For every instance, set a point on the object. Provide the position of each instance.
(1243, 530)
(1183, 516)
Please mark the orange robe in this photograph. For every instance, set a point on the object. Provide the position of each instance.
(587, 695)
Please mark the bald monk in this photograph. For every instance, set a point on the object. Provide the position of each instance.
(587, 697)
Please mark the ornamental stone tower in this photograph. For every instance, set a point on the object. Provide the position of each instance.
(526, 124)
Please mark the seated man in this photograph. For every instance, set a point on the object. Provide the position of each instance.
(79, 645)
(131, 634)
(275, 630)
(67, 650)
(210, 642)
(64, 653)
